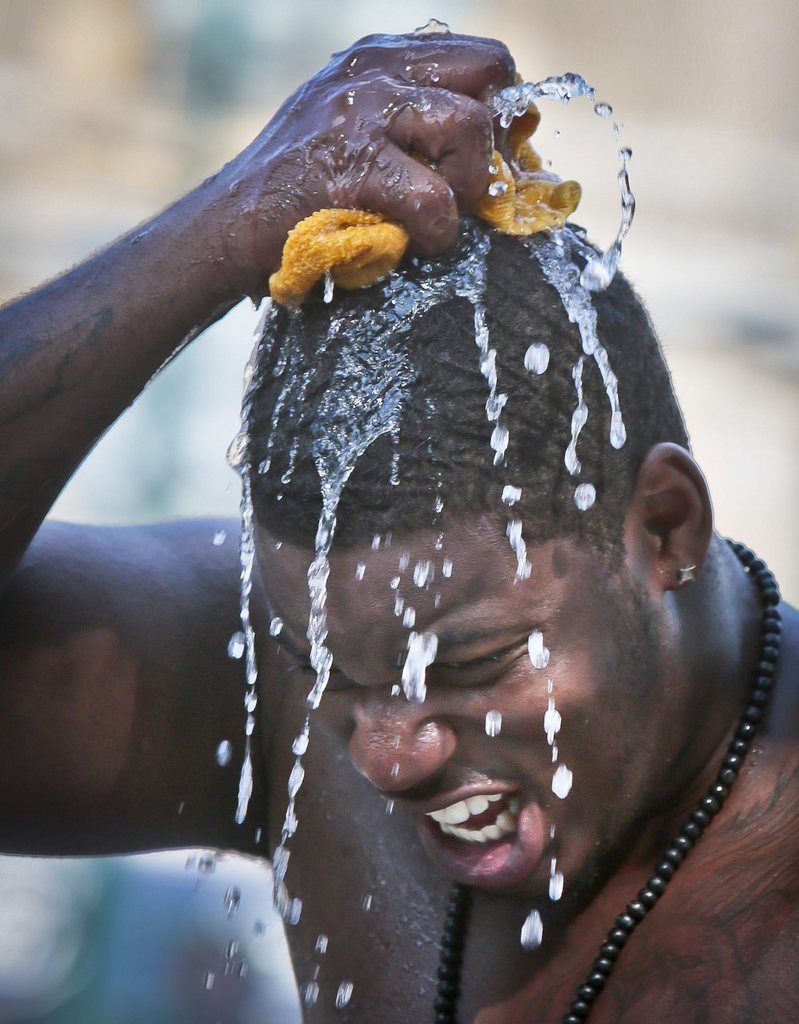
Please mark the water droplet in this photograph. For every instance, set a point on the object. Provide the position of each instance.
(532, 930)
(300, 744)
(493, 723)
(539, 655)
(409, 617)
(321, 944)
(232, 949)
(366, 903)
(422, 572)
(432, 27)
(394, 582)
(296, 777)
(552, 721)
(310, 993)
(511, 494)
(421, 654)
(232, 900)
(556, 885)
(224, 752)
(499, 442)
(206, 864)
(446, 567)
(497, 188)
(562, 782)
(603, 109)
(584, 496)
(536, 358)
(360, 569)
(618, 432)
(275, 626)
(329, 286)
(236, 645)
(219, 538)
(344, 994)
(376, 542)
(395, 770)
(389, 806)
(210, 978)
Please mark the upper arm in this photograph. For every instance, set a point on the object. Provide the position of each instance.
(116, 690)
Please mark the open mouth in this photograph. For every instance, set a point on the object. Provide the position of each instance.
(485, 818)
(491, 840)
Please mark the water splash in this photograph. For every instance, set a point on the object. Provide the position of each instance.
(579, 419)
(556, 257)
(562, 782)
(514, 101)
(421, 654)
(539, 654)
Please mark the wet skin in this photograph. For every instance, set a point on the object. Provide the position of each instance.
(644, 727)
(115, 687)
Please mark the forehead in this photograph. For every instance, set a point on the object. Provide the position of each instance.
(461, 581)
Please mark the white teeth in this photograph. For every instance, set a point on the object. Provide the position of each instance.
(477, 804)
(506, 822)
(452, 815)
(450, 818)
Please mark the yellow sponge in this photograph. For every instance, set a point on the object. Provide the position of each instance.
(358, 248)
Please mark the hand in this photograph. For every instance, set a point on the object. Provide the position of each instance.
(349, 138)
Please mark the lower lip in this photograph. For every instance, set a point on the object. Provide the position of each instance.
(501, 864)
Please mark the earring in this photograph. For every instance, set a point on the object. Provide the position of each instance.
(686, 574)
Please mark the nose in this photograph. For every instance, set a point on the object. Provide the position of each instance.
(396, 750)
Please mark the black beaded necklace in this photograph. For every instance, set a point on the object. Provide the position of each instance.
(457, 918)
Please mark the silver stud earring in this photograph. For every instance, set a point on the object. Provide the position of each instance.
(686, 574)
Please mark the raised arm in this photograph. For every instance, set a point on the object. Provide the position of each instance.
(77, 610)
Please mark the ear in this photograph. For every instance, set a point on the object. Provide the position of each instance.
(669, 521)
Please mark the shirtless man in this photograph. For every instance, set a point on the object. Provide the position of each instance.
(114, 671)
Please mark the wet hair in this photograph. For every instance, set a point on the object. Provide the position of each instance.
(426, 367)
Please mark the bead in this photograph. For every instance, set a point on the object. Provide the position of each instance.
(636, 910)
(727, 776)
(625, 923)
(452, 957)
(757, 565)
(618, 936)
(739, 746)
(447, 988)
(448, 972)
(580, 1008)
(648, 898)
(603, 965)
(760, 699)
(733, 762)
(770, 653)
(701, 817)
(572, 1018)
(720, 791)
(771, 616)
(666, 869)
(683, 843)
(765, 680)
(675, 855)
(770, 638)
(442, 1017)
(442, 1005)
(596, 980)
(770, 596)
(752, 714)
(609, 950)
(710, 805)
(692, 830)
(657, 884)
(587, 992)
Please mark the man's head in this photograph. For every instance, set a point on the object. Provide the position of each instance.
(425, 488)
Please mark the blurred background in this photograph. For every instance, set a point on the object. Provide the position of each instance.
(111, 108)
